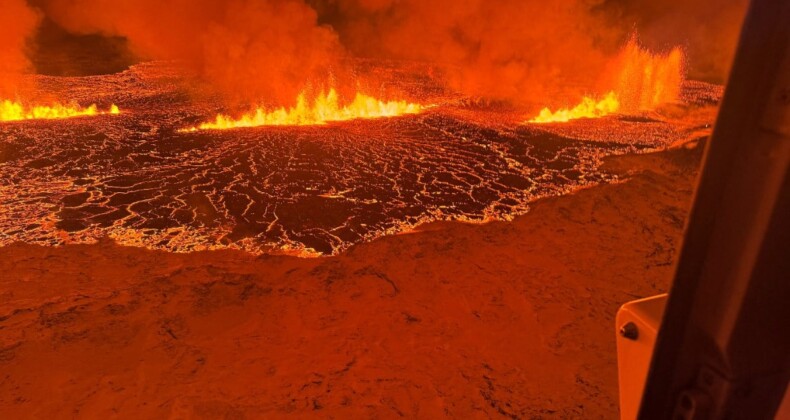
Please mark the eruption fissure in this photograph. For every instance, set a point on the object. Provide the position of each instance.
(16, 111)
(325, 108)
(324, 189)
(645, 81)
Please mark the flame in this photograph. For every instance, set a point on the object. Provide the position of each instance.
(325, 108)
(588, 108)
(16, 111)
(644, 81)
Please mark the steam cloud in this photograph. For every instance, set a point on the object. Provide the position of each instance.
(517, 50)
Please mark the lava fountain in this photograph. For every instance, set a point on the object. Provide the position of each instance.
(645, 81)
(16, 111)
(325, 108)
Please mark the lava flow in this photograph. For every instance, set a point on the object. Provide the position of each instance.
(313, 191)
(588, 108)
(325, 108)
(645, 81)
(15, 111)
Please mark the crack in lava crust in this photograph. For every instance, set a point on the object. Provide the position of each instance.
(306, 190)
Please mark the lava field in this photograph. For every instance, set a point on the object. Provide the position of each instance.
(313, 190)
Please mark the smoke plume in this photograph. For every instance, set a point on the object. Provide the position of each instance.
(248, 49)
(270, 50)
(510, 49)
(18, 22)
(525, 50)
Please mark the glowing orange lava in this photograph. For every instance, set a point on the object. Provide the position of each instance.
(325, 108)
(588, 108)
(644, 81)
(16, 111)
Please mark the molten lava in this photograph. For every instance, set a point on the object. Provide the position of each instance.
(16, 111)
(325, 108)
(644, 81)
(588, 108)
(307, 192)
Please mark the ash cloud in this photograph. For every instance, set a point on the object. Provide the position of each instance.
(18, 22)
